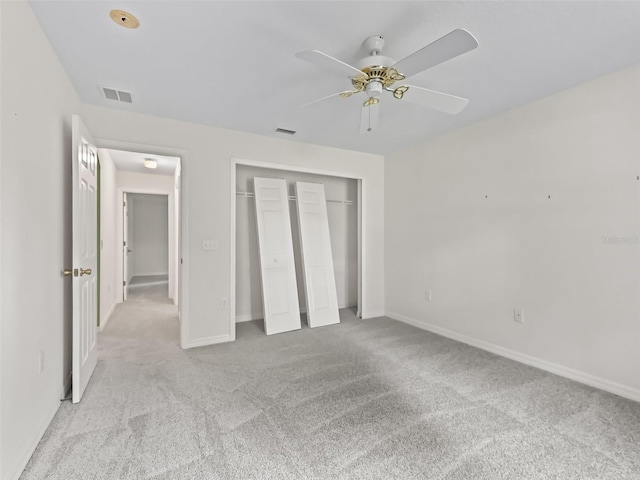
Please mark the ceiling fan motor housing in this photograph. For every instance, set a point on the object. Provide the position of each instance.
(373, 44)
(375, 61)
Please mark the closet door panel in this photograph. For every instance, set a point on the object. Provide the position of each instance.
(317, 261)
(277, 267)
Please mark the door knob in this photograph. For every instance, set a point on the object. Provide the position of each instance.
(67, 272)
(85, 271)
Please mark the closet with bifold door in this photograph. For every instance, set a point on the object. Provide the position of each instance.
(297, 248)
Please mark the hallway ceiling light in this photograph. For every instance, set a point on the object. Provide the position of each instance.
(150, 163)
(124, 18)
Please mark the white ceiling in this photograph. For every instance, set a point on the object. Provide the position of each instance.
(231, 63)
(134, 162)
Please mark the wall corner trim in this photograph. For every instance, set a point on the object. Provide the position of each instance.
(557, 369)
(107, 317)
(67, 385)
(203, 342)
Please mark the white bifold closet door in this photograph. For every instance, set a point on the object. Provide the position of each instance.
(277, 267)
(317, 261)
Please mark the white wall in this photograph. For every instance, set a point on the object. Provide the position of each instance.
(343, 229)
(147, 183)
(206, 194)
(539, 209)
(2, 114)
(110, 244)
(150, 228)
(37, 102)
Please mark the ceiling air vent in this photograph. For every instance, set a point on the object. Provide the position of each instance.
(285, 131)
(118, 95)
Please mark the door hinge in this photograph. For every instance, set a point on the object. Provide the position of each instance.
(124, 244)
(124, 284)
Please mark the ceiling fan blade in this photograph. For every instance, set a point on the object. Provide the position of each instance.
(345, 94)
(369, 117)
(329, 63)
(445, 48)
(442, 102)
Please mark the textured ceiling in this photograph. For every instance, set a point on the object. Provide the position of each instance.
(232, 65)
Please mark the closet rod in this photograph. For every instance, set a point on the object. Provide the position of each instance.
(293, 198)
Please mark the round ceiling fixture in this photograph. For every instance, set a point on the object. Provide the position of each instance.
(150, 163)
(125, 19)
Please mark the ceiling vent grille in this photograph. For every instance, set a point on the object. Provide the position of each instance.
(117, 95)
(285, 131)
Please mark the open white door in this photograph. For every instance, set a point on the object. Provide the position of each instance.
(85, 257)
(277, 267)
(317, 261)
(125, 246)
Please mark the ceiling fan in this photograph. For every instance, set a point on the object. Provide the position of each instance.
(377, 73)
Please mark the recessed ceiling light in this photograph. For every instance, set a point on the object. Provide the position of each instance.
(150, 163)
(125, 19)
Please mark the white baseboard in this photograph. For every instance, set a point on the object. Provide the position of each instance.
(374, 314)
(577, 375)
(148, 274)
(202, 342)
(103, 321)
(248, 317)
(31, 445)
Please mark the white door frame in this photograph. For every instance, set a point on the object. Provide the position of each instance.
(120, 191)
(124, 247)
(183, 234)
(292, 168)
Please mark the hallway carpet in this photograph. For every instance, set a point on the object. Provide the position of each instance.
(373, 399)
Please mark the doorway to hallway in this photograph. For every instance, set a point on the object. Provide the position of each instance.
(139, 235)
(146, 237)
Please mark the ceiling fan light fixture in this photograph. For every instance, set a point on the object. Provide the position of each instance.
(151, 163)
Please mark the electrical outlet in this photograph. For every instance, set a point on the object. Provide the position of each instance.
(518, 315)
(224, 303)
(209, 245)
(41, 361)
(427, 295)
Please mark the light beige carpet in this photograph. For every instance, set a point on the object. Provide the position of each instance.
(373, 399)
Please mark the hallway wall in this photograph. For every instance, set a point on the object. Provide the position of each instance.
(150, 234)
(35, 299)
(109, 242)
